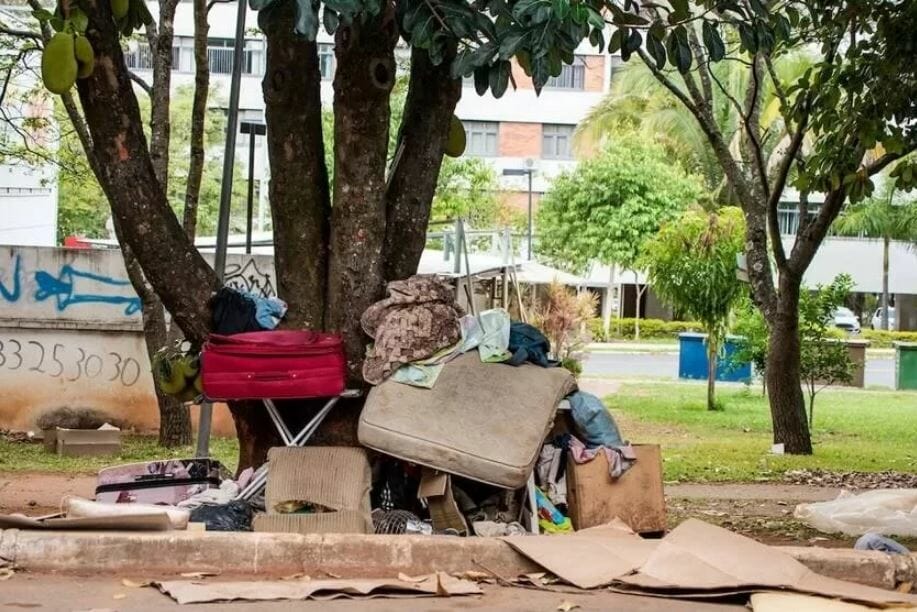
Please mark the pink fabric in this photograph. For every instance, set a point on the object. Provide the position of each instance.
(619, 458)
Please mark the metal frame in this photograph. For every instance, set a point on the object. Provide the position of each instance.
(259, 478)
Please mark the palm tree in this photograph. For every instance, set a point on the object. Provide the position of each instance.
(638, 103)
(884, 218)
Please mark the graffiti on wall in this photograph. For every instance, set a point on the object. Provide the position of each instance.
(70, 286)
(248, 277)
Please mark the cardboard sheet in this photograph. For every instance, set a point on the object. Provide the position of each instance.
(137, 522)
(590, 558)
(782, 602)
(440, 584)
(695, 559)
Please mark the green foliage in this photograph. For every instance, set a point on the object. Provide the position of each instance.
(750, 327)
(542, 35)
(691, 265)
(625, 329)
(880, 338)
(83, 209)
(880, 217)
(608, 206)
(467, 187)
(823, 360)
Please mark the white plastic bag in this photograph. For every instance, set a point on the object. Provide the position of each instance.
(883, 511)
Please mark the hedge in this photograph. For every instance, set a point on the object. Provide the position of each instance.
(879, 338)
(621, 329)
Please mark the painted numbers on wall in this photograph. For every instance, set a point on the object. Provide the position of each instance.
(67, 362)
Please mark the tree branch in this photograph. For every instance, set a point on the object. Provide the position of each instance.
(703, 65)
(888, 158)
(198, 119)
(16, 33)
(136, 78)
(667, 82)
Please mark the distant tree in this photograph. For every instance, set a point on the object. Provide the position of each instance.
(691, 264)
(608, 206)
(825, 359)
(881, 218)
(468, 188)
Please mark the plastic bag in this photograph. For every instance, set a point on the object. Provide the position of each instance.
(883, 511)
(234, 516)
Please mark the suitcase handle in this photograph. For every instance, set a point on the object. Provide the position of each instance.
(270, 376)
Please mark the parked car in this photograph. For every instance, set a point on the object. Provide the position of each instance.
(846, 320)
(877, 318)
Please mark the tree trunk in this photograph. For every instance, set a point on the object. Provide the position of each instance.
(788, 409)
(198, 119)
(639, 294)
(160, 41)
(177, 272)
(299, 197)
(432, 96)
(607, 305)
(712, 350)
(885, 247)
(362, 87)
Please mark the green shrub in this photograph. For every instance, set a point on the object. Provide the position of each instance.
(884, 339)
(623, 329)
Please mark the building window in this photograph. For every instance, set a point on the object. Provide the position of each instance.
(571, 76)
(481, 138)
(326, 61)
(220, 52)
(556, 141)
(140, 58)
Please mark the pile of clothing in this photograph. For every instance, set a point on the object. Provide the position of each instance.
(419, 328)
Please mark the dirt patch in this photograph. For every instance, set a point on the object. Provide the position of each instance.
(853, 480)
(37, 493)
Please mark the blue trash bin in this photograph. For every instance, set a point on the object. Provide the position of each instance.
(692, 359)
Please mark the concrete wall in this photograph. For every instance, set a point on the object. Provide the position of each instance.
(71, 335)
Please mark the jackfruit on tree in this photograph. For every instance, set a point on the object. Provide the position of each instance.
(59, 67)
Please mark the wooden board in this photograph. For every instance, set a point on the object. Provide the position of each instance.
(637, 497)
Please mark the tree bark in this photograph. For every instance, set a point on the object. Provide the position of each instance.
(198, 119)
(171, 264)
(885, 248)
(712, 350)
(788, 409)
(160, 41)
(299, 197)
(432, 96)
(362, 87)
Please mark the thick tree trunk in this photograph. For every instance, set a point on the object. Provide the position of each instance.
(788, 407)
(362, 87)
(299, 179)
(171, 264)
(198, 119)
(885, 247)
(428, 109)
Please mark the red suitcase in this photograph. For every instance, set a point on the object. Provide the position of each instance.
(273, 365)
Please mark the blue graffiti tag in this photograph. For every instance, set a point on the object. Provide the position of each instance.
(64, 289)
(13, 295)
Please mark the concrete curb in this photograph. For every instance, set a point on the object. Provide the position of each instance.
(346, 555)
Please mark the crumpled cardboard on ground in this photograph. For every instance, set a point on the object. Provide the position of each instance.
(336, 480)
(694, 559)
(436, 489)
(137, 522)
(785, 602)
(434, 585)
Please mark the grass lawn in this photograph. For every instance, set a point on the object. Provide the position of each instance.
(18, 456)
(854, 430)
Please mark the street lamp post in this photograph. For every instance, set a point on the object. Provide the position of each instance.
(528, 171)
(253, 129)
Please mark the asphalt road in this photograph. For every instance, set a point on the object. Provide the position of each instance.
(880, 372)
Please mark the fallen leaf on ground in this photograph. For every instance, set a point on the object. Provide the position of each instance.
(474, 576)
(413, 579)
(299, 576)
(905, 587)
(197, 575)
(332, 575)
(6, 573)
(119, 596)
(566, 606)
(136, 584)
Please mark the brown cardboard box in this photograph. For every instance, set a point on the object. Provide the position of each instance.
(336, 478)
(436, 489)
(637, 497)
(82, 442)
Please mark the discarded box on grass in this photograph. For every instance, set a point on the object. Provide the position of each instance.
(637, 497)
(105, 440)
(317, 489)
(436, 489)
(482, 421)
